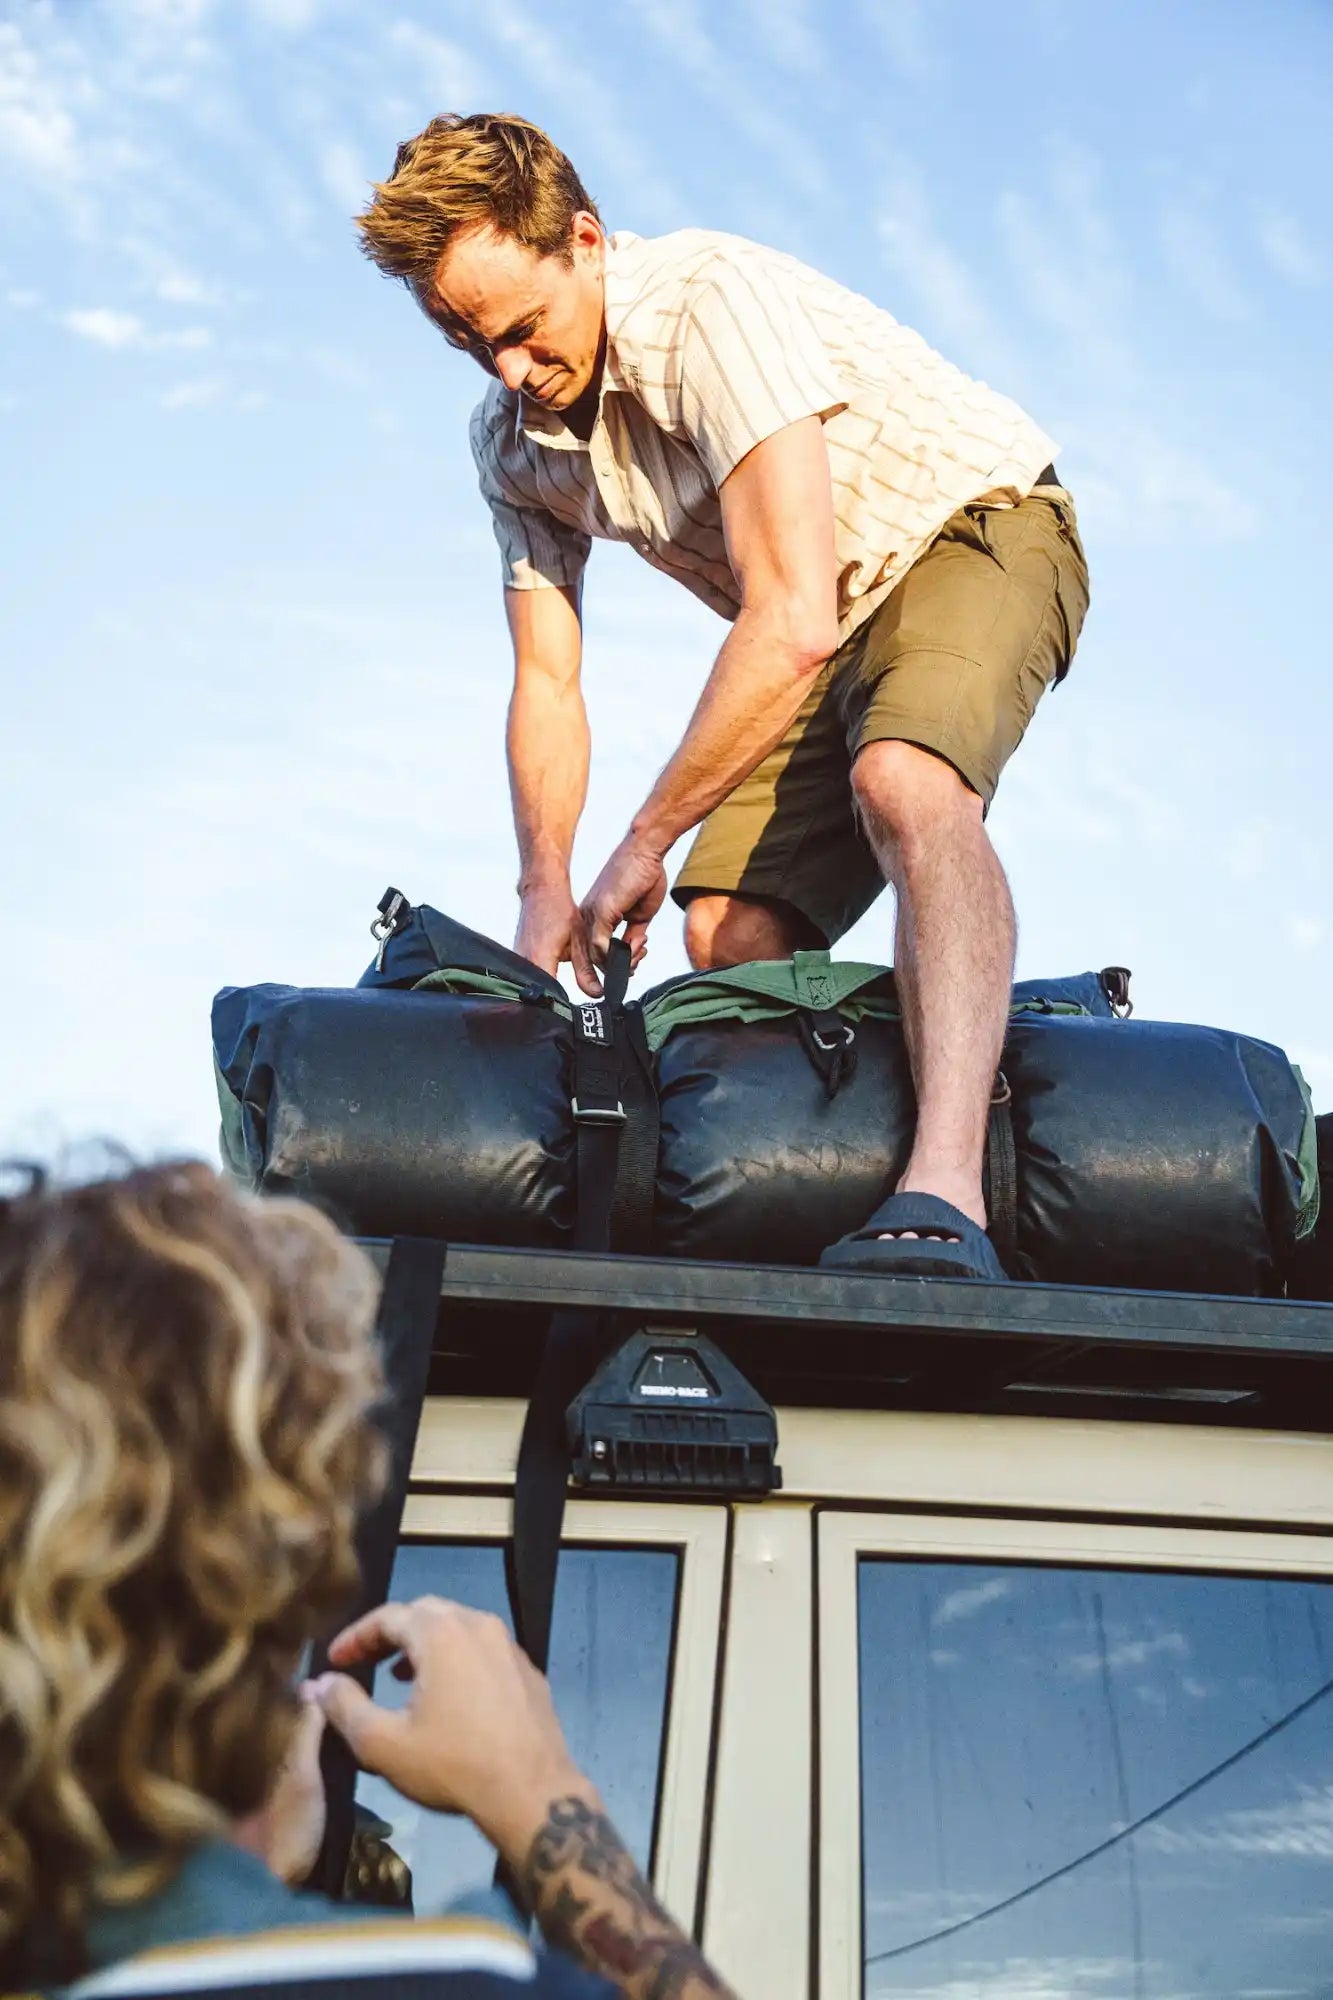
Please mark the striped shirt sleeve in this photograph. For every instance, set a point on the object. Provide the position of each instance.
(751, 362)
(537, 552)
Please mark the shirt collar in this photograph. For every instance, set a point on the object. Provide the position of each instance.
(218, 1890)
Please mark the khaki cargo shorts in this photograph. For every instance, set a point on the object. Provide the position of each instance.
(954, 660)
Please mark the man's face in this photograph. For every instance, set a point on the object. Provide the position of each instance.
(534, 321)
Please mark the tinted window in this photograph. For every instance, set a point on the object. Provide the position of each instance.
(610, 1658)
(1015, 1722)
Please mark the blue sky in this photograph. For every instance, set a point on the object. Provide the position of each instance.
(251, 637)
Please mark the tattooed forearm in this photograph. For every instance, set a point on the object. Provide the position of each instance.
(592, 1902)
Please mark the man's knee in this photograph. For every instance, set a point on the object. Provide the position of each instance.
(732, 930)
(908, 796)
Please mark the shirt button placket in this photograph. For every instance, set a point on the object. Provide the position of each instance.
(615, 497)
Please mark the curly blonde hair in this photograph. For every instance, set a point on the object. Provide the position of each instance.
(486, 169)
(185, 1377)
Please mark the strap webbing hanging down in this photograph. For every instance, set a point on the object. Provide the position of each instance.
(1000, 1177)
(576, 1340)
(409, 1307)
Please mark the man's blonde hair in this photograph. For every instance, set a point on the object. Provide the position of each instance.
(489, 169)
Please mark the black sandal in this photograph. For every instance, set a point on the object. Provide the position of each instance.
(970, 1254)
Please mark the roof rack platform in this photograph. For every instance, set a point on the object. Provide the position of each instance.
(816, 1338)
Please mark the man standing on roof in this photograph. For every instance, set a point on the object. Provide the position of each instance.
(901, 570)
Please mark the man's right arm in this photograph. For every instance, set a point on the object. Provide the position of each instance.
(548, 745)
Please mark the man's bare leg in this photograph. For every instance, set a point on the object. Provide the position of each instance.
(954, 957)
(722, 930)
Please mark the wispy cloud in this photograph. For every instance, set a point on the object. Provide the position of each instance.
(788, 35)
(72, 106)
(1048, 1978)
(1072, 268)
(105, 326)
(293, 17)
(1129, 1655)
(183, 289)
(970, 1598)
(169, 16)
(1300, 1828)
(677, 26)
(1146, 483)
(932, 273)
(197, 395)
(38, 125)
(901, 30)
(207, 392)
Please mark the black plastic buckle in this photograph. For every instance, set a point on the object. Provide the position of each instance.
(598, 1114)
(668, 1411)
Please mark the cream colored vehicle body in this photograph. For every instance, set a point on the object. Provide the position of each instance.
(757, 1822)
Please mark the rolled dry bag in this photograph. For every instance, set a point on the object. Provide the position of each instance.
(1156, 1155)
(417, 1114)
(439, 1097)
(760, 1158)
(435, 1099)
(1148, 1154)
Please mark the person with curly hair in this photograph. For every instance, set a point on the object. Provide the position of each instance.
(186, 1380)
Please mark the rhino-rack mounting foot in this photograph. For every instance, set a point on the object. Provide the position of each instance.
(669, 1413)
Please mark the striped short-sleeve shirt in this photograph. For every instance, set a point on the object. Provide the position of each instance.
(713, 344)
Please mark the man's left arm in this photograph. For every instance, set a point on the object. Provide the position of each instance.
(777, 513)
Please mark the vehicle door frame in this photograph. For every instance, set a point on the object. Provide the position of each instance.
(699, 1535)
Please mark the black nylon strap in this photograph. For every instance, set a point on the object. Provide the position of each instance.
(636, 1166)
(409, 1307)
(575, 1341)
(1000, 1177)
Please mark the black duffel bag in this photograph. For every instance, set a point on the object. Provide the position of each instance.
(1147, 1154)
(435, 1098)
(1144, 1154)
(404, 1113)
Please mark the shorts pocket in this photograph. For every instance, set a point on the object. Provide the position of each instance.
(989, 541)
(1043, 667)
